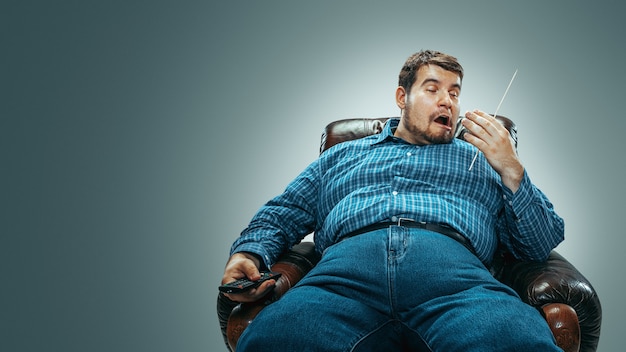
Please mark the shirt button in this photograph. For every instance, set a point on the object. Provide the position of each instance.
(394, 218)
(409, 154)
(395, 193)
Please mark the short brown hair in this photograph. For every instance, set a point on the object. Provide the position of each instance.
(427, 57)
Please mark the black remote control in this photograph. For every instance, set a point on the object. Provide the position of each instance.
(242, 285)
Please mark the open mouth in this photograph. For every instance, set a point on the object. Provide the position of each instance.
(443, 120)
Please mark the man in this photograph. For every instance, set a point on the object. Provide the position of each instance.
(406, 228)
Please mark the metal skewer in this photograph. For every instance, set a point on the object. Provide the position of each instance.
(494, 115)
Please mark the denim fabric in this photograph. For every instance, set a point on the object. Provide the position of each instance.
(398, 289)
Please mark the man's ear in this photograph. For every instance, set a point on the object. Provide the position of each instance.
(401, 97)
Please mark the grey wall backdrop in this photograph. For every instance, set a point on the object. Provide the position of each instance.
(139, 137)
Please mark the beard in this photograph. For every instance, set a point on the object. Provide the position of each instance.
(426, 134)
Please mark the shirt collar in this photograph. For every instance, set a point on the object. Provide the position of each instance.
(387, 132)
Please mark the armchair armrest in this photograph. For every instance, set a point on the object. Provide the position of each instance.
(551, 287)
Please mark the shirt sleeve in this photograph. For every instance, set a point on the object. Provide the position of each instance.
(533, 229)
(283, 221)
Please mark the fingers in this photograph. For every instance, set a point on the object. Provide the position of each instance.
(242, 265)
(485, 131)
(481, 124)
(254, 294)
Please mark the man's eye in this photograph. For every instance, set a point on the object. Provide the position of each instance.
(454, 94)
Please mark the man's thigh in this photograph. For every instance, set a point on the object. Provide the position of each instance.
(482, 319)
(310, 318)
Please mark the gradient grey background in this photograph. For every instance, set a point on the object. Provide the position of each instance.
(139, 137)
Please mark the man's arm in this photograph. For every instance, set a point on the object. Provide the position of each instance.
(534, 228)
(277, 226)
(283, 221)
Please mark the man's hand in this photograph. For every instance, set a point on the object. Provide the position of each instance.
(493, 139)
(242, 265)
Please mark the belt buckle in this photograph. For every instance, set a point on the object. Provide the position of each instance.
(400, 220)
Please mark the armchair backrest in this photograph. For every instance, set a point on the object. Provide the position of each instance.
(348, 129)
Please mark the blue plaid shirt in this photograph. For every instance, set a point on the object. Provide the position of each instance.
(382, 178)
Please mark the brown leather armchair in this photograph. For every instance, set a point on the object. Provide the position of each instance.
(561, 293)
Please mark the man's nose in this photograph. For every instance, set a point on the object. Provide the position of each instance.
(445, 100)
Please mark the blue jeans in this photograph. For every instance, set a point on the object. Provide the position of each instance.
(398, 289)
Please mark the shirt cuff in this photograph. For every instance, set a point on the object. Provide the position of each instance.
(519, 201)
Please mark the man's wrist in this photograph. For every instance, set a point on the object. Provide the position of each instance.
(512, 179)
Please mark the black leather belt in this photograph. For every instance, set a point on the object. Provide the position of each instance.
(439, 228)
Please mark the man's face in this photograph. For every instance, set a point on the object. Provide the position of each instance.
(431, 108)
